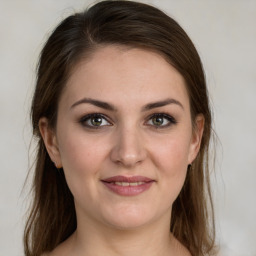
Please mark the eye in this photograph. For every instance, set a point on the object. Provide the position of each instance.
(161, 120)
(95, 121)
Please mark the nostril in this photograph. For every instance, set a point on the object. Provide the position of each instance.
(129, 148)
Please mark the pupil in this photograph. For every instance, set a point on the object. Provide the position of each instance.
(158, 120)
(96, 121)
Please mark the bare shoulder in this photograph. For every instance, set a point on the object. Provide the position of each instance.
(52, 253)
(180, 249)
(48, 254)
(62, 249)
(185, 252)
(58, 251)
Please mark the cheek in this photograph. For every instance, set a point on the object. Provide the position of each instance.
(82, 158)
(172, 155)
(79, 151)
(171, 162)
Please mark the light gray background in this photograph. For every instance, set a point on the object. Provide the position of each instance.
(224, 33)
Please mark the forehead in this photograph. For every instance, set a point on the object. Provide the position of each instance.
(114, 72)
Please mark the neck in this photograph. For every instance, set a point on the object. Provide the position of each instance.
(95, 239)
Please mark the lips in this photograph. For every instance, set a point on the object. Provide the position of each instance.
(125, 184)
(128, 186)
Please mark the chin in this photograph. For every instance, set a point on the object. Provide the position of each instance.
(129, 223)
(130, 218)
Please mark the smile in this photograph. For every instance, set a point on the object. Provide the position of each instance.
(128, 186)
(125, 184)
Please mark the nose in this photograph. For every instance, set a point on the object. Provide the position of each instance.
(129, 148)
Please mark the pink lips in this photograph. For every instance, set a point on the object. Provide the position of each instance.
(128, 186)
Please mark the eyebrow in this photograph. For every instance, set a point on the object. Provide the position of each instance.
(94, 102)
(161, 103)
(110, 107)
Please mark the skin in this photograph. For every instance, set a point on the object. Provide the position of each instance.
(128, 140)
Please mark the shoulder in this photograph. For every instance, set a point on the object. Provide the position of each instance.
(58, 251)
(63, 249)
(180, 249)
(55, 252)
(48, 254)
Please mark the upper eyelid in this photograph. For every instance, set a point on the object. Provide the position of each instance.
(110, 120)
(163, 114)
(91, 115)
(169, 117)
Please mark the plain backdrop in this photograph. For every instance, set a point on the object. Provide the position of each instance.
(224, 33)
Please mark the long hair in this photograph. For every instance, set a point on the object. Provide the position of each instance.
(52, 216)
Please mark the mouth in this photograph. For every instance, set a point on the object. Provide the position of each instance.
(125, 184)
(128, 186)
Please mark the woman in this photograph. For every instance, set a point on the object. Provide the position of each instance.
(123, 123)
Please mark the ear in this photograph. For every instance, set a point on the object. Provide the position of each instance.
(50, 141)
(196, 138)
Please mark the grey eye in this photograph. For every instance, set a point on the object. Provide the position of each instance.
(158, 120)
(94, 121)
(161, 120)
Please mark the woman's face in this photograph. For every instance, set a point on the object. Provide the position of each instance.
(124, 137)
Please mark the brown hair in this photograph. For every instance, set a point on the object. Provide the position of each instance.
(52, 217)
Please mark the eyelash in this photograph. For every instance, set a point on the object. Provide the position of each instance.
(88, 118)
(170, 120)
